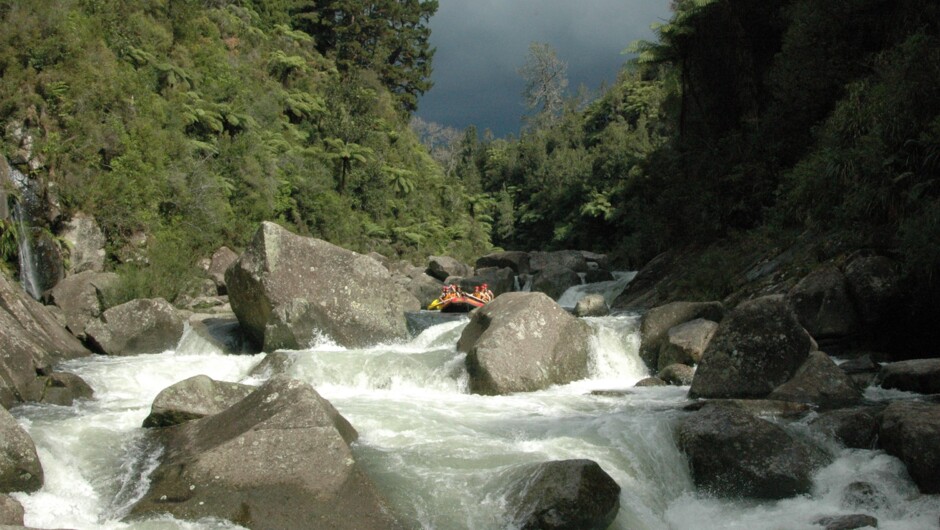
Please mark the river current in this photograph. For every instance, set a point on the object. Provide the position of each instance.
(438, 453)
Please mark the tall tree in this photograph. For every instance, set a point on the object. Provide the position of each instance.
(545, 81)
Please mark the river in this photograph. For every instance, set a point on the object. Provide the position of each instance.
(438, 453)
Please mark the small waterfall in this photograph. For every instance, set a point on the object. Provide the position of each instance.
(29, 276)
(610, 289)
(519, 286)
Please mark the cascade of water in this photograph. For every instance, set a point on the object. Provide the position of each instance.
(609, 289)
(29, 276)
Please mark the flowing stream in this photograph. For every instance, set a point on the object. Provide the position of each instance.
(439, 454)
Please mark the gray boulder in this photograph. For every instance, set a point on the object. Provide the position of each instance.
(909, 431)
(554, 280)
(62, 388)
(592, 305)
(764, 408)
(147, 325)
(686, 342)
(847, 522)
(274, 363)
(656, 323)
(194, 398)
(521, 342)
(677, 374)
(917, 375)
(819, 382)
(86, 243)
(566, 494)
(566, 259)
(516, 260)
(422, 286)
(287, 289)
(11, 511)
(757, 347)
(874, 283)
(20, 469)
(279, 458)
(81, 298)
(31, 340)
(853, 427)
(650, 381)
(440, 267)
(822, 304)
(221, 260)
(733, 453)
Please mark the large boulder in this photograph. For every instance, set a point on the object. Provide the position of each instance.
(62, 388)
(686, 342)
(875, 284)
(86, 241)
(221, 260)
(80, 297)
(441, 267)
(917, 375)
(909, 431)
(566, 494)
(20, 469)
(280, 458)
(565, 259)
(516, 260)
(31, 341)
(656, 323)
(819, 382)
(822, 304)
(734, 453)
(145, 325)
(757, 347)
(287, 290)
(677, 374)
(522, 342)
(194, 398)
(422, 286)
(554, 280)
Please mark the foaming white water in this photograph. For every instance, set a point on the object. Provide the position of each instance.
(441, 455)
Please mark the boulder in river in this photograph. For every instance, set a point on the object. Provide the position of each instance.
(145, 325)
(909, 431)
(20, 469)
(521, 342)
(916, 375)
(11, 511)
(853, 427)
(656, 323)
(554, 280)
(565, 259)
(819, 382)
(441, 267)
(686, 342)
(279, 458)
(63, 388)
(734, 453)
(592, 305)
(575, 494)
(677, 374)
(288, 290)
(822, 304)
(516, 260)
(847, 522)
(194, 398)
(757, 347)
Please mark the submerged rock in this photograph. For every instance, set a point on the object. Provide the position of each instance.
(909, 431)
(139, 326)
(194, 398)
(274, 363)
(847, 522)
(757, 347)
(286, 290)
(279, 458)
(20, 469)
(734, 453)
(521, 342)
(567, 494)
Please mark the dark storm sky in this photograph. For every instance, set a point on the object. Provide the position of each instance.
(482, 43)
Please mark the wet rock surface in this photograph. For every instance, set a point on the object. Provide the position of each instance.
(194, 398)
(909, 431)
(139, 326)
(20, 469)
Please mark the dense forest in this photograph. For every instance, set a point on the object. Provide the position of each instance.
(745, 123)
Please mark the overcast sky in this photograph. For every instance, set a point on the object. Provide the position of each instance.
(482, 43)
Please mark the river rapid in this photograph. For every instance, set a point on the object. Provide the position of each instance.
(438, 453)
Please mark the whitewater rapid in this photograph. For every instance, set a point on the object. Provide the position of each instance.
(438, 453)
